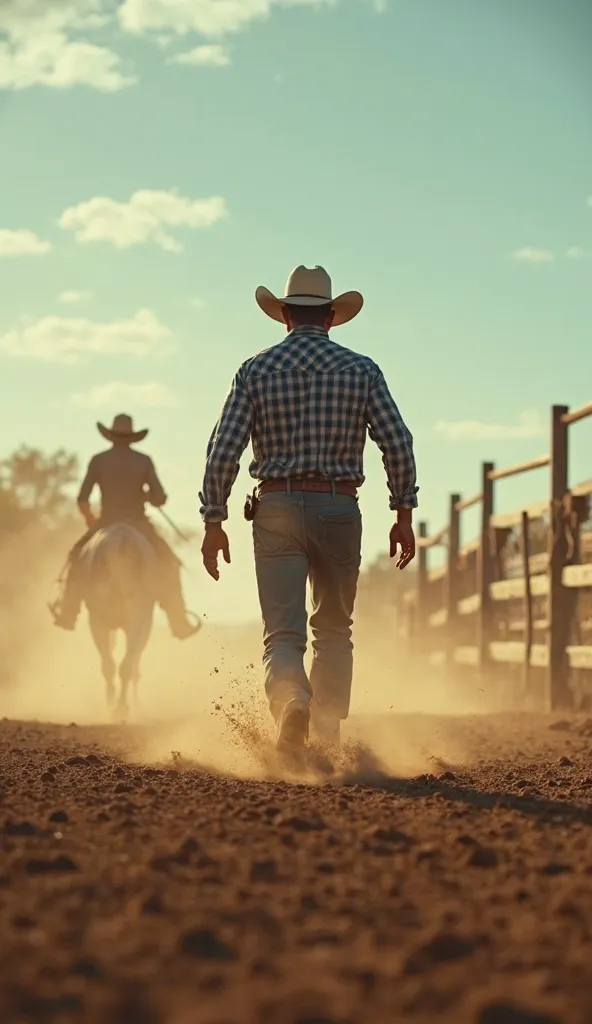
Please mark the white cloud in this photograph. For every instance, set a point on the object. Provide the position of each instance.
(532, 255)
(210, 18)
(21, 18)
(38, 48)
(118, 393)
(59, 339)
(197, 303)
(529, 425)
(212, 55)
(21, 242)
(56, 61)
(143, 218)
(575, 252)
(73, 298)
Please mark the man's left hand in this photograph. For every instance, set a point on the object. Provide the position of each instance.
(215, 542)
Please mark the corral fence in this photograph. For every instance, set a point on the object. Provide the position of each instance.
(514, 605)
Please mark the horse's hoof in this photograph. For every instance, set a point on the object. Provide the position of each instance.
(121, 714)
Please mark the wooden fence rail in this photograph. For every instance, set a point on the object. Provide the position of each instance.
(519, 595)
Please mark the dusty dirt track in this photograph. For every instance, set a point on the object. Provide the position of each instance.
(136, 894)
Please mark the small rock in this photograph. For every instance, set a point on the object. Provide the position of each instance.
(429, 851)
(59, 817)
(483, 857)
(88, 968)
(204, 944)
(443, 948)
(57, 865)
(511, 1013)
(555, 868)
(24, 921)
(264, 871)
(93, 759)
(303, 824)
(76, 760)
(20, 828)
(187, 847)
(153, 905)
(565, 762)
(48, 776)
(390, 835)
(447, 777)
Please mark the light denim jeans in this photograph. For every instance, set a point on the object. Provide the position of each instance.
(299, 536)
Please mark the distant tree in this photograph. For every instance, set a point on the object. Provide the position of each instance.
(34, 489)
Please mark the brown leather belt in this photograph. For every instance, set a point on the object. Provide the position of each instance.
(309, 484)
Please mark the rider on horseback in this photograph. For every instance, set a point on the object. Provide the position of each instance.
(127, 480)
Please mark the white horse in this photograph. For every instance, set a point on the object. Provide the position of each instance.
(119, 572)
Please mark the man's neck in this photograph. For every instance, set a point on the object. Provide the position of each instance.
(308, 329)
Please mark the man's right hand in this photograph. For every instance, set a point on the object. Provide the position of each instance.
(87, 514)
(215, 542)
(402, 536)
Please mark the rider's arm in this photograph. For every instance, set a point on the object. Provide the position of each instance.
(388, 430)
(85, 492)
(155, 493)
(227, 443)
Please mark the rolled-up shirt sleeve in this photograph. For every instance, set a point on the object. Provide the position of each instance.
(227, 443)
(87, 485)
(155, 492)
(387, 429)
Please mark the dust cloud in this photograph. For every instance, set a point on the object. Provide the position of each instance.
(202, 700)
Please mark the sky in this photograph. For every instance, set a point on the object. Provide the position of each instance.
(162, 158)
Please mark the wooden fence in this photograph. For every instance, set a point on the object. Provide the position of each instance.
(515, 604)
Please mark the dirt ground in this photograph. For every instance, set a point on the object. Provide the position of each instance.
(141, 893)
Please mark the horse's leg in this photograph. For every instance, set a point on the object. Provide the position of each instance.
(103, 639)
(137, 636)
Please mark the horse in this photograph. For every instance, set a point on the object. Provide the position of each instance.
(119, 573)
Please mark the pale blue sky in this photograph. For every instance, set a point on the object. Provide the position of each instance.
(414, 151)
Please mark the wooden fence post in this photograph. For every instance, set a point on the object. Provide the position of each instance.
(525, 550)
(452, 580)
(422, 583)
(558, 608)
(485, 566)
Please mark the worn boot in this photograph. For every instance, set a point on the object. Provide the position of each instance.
(173, 604)
(66, 608)
(293, 726)
(180, 625)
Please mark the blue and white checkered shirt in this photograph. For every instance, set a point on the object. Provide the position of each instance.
(306, 405)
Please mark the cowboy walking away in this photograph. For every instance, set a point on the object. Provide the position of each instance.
(307, 404)
(127, 480)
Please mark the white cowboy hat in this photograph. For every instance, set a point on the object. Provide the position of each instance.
(308, 286)
(122, 429)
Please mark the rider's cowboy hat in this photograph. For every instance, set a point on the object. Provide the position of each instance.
(308, 286)
(122, 429)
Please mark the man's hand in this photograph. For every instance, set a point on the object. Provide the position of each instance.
(215, 542)
(87, 514)
(402, 535)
